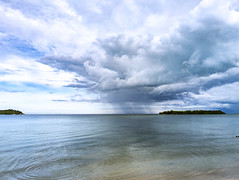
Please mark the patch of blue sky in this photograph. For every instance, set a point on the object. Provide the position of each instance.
(6, 1)
(32, 87)
(3, 73)
(44, 87)
(12, 45)
(23, 87)
(11, 87)
(36, 86)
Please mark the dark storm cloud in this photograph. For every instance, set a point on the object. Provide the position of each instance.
(198, 56)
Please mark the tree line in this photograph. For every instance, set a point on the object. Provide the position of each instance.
(193, 112)
(10, 112)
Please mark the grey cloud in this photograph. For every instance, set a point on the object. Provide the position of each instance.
(134, 69)
(193, 54)
(78, 85)
(66, 63)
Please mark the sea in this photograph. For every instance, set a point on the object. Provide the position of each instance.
(119, 147)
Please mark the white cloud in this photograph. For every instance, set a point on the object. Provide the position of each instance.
(223, 97)
(18, 69)
(58, 35)
(221, 9)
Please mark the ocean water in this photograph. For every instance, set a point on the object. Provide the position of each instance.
(115, 147)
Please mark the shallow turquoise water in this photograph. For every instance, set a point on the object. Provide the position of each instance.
(130, 147)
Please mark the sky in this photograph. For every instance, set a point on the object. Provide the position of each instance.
(128, 56)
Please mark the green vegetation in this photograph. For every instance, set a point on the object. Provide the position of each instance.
(193, 112)
(10, 112)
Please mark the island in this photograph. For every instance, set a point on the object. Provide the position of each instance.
(193, 112)
(10, 112)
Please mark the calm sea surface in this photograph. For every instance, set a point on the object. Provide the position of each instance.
(114, 147)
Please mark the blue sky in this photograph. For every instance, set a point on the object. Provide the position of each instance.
(129, 56)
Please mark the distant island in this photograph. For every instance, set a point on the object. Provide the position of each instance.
(10, 112)
(193, 112)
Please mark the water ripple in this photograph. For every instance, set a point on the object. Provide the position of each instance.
(119, 147)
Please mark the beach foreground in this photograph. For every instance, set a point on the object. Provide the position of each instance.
(127, 147)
